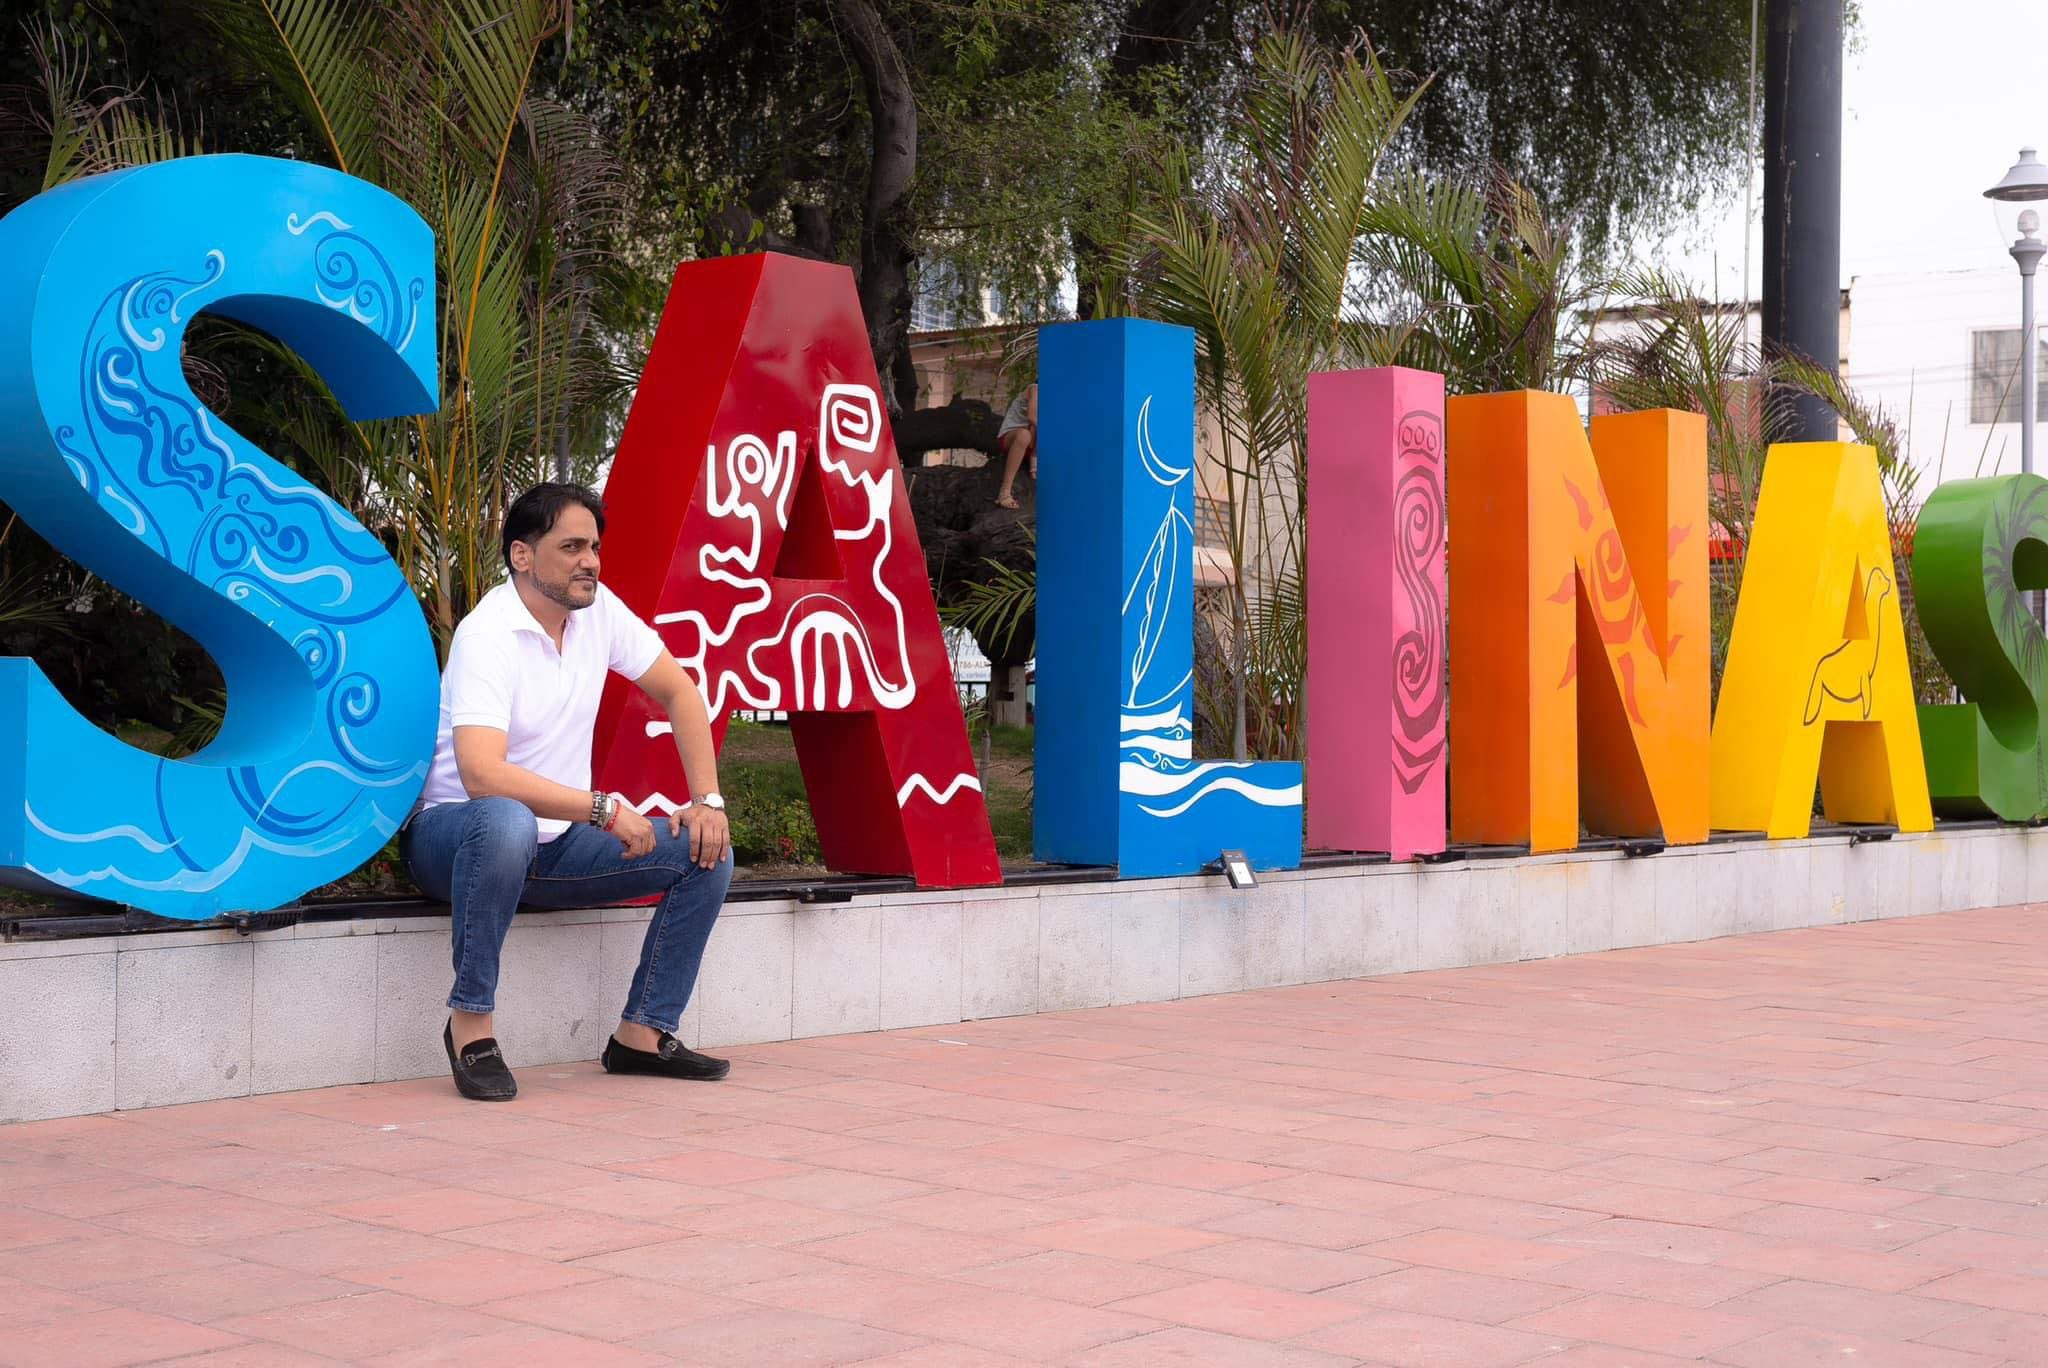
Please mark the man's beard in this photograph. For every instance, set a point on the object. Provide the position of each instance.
(570, 593)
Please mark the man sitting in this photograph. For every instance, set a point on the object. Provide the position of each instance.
(508, 815)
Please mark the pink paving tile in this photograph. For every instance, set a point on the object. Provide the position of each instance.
(1056, 1151)
(472, 1277)
(1608, 1356)
(1997, 1334)
(211, 1218)
(356, 1327)
(1116, 1238)
(1880, 1315)
(916, 1249)
(837, 1189)
(1997, 1291)
(78, 1265)
(1411, 1341)
(1804, 1347)
(344, 1244)
(1652, 1326)
(1459, 1250)
(614, 1308)
(1163, 1203)
(1183, 1345)
(26, 1304)
(233, 1289)
(1492, 1216)
(789, 1339)
(1087, 1279)
(1244, 1309)
(969, 1211)
(21, 1227)
(1874, 1198)
(1443, 1292)
(1025, 1182)
(1316, 1227)
(521, 1344)
(564, 1234)
(706, 1261)
(1337, 1192)
(1034, 1327)
(1271, 1263)
(103, 1193)
(1190, 1170)
(1660, 1240)
(636, 1198)
(1666, 1280)
(434, 1210)
(864, 1296)
(108, 1339)
(249, 1355)
(762, 1221)
(1874, 1271)
(1985, 1249)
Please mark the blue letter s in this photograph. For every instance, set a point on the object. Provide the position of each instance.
(105, 450)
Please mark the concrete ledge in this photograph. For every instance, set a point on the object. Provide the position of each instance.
(92, 1025)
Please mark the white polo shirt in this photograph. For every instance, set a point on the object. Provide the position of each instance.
(504, 672)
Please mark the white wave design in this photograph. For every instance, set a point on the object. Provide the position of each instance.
(298, 229)
(1264, 797)
(333, 572)
(206, 880)
(218, 261)
(918, 783)
(113, 833)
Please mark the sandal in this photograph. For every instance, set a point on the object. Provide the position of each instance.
(1007, 501)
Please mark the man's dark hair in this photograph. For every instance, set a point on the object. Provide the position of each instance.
(534, 513)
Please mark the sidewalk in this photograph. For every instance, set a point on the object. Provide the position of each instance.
(1824, 1146)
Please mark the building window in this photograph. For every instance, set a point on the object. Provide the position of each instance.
(1212, 527)
(1995, 376)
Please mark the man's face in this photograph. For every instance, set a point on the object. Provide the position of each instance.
(562, 562)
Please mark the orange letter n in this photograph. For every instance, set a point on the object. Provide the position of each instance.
(1574, 691)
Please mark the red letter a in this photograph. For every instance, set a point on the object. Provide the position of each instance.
(757, 516)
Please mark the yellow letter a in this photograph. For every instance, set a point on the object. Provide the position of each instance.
(1817, 682)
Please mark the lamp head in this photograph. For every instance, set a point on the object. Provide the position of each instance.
(2027, 180)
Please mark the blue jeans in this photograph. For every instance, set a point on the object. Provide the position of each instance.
(485, 858)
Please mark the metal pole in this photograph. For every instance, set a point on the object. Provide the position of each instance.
(2026, 253)
(2029, 363)
(1802, 229)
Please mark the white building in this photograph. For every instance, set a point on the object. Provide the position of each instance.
(1940, 350)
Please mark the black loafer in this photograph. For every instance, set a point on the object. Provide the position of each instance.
(670, 1059)
(480, 1072)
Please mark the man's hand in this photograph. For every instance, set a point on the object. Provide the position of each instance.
(710, 837)
(634, 831)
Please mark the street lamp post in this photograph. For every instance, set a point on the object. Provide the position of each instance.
(2027, 180)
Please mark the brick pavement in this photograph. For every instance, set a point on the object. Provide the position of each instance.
(1825, 1146)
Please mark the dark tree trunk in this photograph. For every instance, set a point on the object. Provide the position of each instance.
(886, 249)
(958, 521)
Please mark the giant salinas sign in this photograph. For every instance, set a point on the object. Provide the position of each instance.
(760, 521)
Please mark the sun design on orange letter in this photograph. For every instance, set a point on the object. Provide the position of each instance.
(1616, 608)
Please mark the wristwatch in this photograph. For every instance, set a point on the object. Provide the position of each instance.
(714, 801)
(604, 810)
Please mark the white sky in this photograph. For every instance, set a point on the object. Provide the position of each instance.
(1938, 98)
